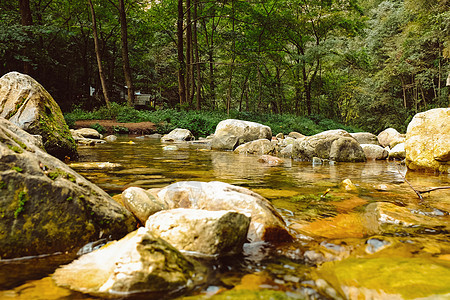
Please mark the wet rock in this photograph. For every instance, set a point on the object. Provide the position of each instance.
(270, 160)
(317, 161)
(428, 141)
(111, 138)
(96, 166)
(336, 145)
(387, 278)
(366, 138)
(376, 244)
(387, 136)
(154, 136)
(170, 148)
(261, 146)
(178, 135)
(141, 203)
(374, 151)
(89, 133)
(28, 105)
(138, 263)
(398, 152)
(231, 133)
(348, 185)
(266, 223)
(47, 207)
(389, 213)
(212, 233)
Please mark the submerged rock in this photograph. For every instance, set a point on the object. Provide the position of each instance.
(271, 160)
(47, 207)
(387, 278)
(266, 223)
(231, 133)
(24, 102)
(204, 232)
(138, 263)
(428, 141)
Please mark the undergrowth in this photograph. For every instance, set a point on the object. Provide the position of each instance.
(203, 123)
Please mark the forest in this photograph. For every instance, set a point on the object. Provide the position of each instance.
(367, 63)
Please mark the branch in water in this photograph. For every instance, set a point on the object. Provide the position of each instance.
(434, 189)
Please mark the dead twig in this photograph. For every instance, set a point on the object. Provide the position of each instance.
(434, 189)
(406, 180)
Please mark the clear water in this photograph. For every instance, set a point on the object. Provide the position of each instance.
(334, 227)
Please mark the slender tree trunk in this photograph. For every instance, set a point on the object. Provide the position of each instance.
(97, 52)
(26, 19)
(125, 58)
(181, 64)
(233, 55)
(197, 57)
(188, 51)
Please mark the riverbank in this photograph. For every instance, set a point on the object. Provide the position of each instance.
(112, 126)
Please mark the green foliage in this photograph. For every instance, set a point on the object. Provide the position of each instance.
(22, 199)
(3, 185)
(98, 127)
(120, 129)
(17, 169)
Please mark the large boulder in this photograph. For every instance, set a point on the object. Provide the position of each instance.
(212, 233)
(27, 104)
(266, 223)
(337, 145)
(389, 135)
(231, 133)
(178, 135)
(46, 206)
(138, 263)
(260, 147)
(366, 138)
(398, 152)
(428, 141)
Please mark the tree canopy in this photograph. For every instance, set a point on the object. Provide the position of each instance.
(369, 63)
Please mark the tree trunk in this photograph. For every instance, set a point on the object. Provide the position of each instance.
(97, 53)
(233, 56)
(188, 51)
(125, 59)
(197, 57)
(26, 19)
(181, 64)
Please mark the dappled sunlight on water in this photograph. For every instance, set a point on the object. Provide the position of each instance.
(335, 229)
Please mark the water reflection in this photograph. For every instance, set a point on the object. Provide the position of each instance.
(332, 228)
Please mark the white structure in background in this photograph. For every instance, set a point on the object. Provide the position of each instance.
(141, 99)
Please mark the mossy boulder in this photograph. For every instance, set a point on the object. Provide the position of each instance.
(45, 206)
(27, 104)
(388, 278)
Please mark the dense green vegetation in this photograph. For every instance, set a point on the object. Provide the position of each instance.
(367, 63)
(203, 123)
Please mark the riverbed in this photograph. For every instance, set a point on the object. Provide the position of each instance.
(374, 239)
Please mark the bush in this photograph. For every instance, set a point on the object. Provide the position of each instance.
(203, 123)
(98, 127)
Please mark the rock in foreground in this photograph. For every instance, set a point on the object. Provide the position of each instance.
(138, 263)
(427, 143)
(27, 104)
(47, 207)
(266, 223)
(214, 233)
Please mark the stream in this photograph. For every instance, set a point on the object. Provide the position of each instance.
(376, 240)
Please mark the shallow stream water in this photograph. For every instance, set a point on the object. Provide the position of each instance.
(376, 241)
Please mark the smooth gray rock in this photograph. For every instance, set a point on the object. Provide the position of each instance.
(178, 135)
